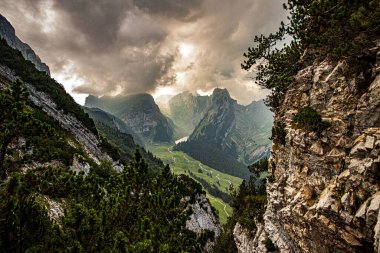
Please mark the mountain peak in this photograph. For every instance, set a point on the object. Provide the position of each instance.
(7, 32)
(220, 96)
(220, 92)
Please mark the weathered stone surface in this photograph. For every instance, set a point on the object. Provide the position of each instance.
(79, 164)
(7, 32)
(250, 241)
(325, 197)
(202, 218)
(317, 148)
(358, 149)
(370, 142)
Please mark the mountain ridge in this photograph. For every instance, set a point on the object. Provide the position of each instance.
(241, 132)
(139, 112)
(8, 33)
(64, 186)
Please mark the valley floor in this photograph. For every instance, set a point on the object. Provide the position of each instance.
(181, 163)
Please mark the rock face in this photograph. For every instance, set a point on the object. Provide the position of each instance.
(240, 131)
(7, 32)
(325, 196)
(139, 112)
(85, 137)
(202, 218)
(250, 241)
(186, 110)
(113, 122)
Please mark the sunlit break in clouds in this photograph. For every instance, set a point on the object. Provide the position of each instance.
(119, 47)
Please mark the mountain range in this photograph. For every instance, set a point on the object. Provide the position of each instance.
(7, 32)
(67, 183)
(186, 110)
(236, 135)
(139, 112)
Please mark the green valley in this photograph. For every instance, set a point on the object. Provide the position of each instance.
(181, 163)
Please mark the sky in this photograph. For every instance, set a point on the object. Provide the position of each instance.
(163, 47)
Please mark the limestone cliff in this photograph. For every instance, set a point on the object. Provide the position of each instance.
(202, 218)
(7, 32)
(85, 137)
(324, 191)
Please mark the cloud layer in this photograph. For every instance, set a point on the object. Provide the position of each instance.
(107, 47)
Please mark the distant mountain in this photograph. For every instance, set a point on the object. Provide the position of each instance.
(240, 133)
(58, 172)
(139, 112)
(121, 136)
(100, 116)
(163, 102)
(7, 32)
(186, 110)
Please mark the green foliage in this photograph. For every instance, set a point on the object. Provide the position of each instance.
(45, 139)
(225, 243)
(26, 70)
(218, 160)
(328, 28)
(211, 188)
(103, 212)
(248, 202)
(278, 133)
(120, 145)
(269, 245)
(259, 167)
(309, 119)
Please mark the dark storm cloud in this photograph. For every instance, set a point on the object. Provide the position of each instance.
(98, 20)
(179, 9)
(128, 46)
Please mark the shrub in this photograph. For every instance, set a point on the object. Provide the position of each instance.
(269, 245)
(309, 119)
(278, 133)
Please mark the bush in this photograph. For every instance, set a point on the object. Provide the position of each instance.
(309, 119)
(319, 29)
(26, 70)
(269, 245)
(278, 133)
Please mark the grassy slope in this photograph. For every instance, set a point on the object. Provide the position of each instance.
(180, 163)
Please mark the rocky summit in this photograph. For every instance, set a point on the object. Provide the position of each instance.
(7, 32)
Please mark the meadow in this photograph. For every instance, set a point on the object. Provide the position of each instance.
(181, 163)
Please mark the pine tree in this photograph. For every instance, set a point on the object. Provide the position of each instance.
(16, 119)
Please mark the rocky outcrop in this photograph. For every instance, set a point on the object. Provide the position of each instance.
(79, 164)
(250, 241)
(202, 218)
(7, 32)
(325, 196)
(85, 137)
